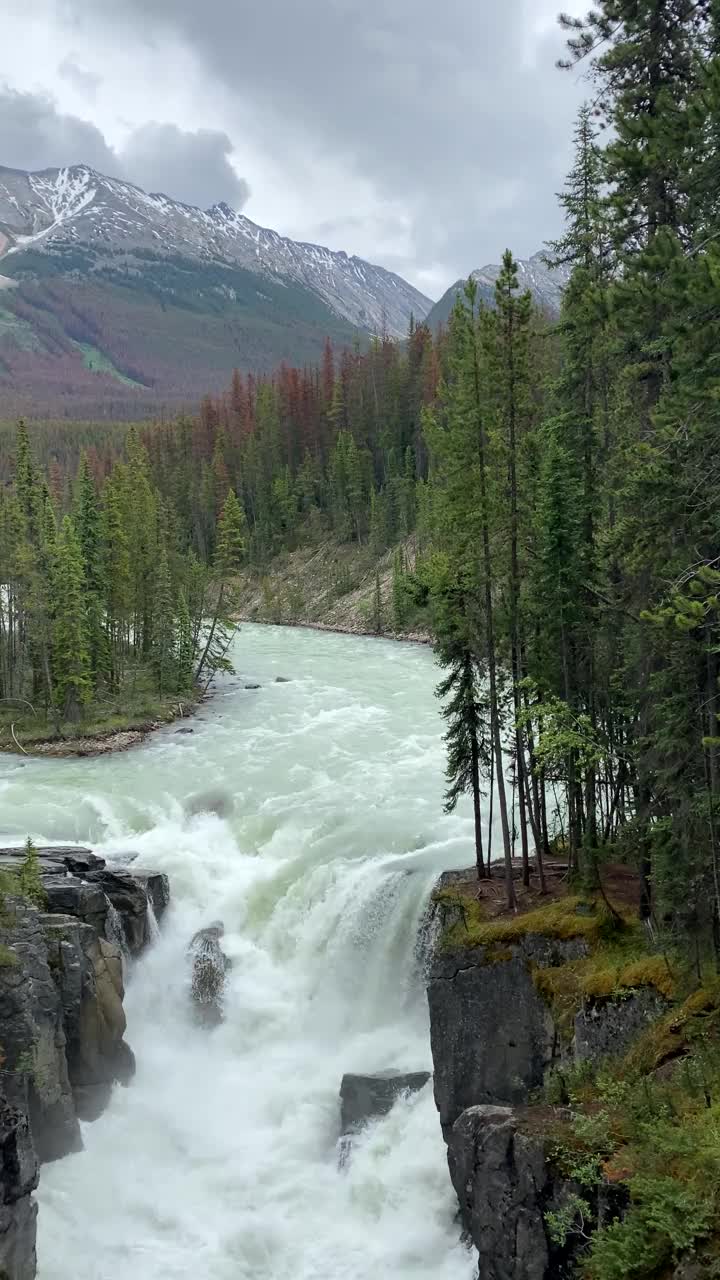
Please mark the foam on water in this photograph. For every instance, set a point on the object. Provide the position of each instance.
(220, 1160)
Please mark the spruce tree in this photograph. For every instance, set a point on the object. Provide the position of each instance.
(71, 669)
(163, 635)
(506, 335)
(231, 544)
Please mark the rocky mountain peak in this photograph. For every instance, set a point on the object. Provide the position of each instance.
(53, 209)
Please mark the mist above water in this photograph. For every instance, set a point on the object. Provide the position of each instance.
(220, 1160)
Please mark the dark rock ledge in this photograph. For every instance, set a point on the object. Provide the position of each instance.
(495, 1040)
(62, 1022)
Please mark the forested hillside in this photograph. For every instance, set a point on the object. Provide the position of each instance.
(121, 303)
(559, 480)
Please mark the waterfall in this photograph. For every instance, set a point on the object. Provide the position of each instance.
(114, 929)
(221, 1157)
(152, 928)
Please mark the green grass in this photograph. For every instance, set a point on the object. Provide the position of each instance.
(97, 362)
(19, 331)
(135, 707)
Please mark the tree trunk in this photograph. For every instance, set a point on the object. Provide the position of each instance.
(475, 753)
(490, 630)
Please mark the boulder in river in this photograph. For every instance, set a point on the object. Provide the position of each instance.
(365, 1098)
(209, 967)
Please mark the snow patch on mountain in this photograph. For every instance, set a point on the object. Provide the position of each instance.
(77, 206)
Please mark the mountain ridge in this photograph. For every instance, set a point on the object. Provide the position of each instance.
(120, 303)
(79, 205)
(545, 283)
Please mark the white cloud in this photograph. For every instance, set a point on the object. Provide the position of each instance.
(422, 138)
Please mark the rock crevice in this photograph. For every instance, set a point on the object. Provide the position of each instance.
(62, 1022)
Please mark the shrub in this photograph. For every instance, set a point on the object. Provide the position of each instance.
(30, 879)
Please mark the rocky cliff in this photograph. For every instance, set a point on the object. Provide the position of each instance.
(62, 1023)
(515, 1005)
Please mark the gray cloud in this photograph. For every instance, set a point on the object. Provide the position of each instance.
(35, 135)
(193, 167)
(84, 81)
(457, 114)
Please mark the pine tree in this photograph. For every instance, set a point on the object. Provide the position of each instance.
(115, 579)
(458, 441)
(506, 336)
(231, 537)
(463, 690)
(184, 655)
(70, 654)
(25, 472)
(163, 634)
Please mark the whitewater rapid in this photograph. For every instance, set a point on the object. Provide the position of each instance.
(219, 1162)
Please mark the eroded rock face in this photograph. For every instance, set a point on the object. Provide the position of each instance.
(502, 1184)
(157, 889)
(88, 974)
(608, 1027)
(491, 1033)
(366, 1097)
(78, 883)
(129, 898)
(18, 1180)
(32, 1032)
(493, 1040)
(62, 1022)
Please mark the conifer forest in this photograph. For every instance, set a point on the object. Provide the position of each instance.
(551, 484)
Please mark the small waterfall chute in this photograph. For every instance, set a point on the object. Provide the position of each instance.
(152, 928)
(114, 928)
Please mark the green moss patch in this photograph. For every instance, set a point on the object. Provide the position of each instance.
(673, 1037)
(615, 967)
(561, 919)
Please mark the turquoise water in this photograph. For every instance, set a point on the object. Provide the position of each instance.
(220, 1160)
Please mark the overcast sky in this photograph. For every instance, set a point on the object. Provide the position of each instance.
(425, 136)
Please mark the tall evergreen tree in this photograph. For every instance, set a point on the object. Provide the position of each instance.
(72, 677)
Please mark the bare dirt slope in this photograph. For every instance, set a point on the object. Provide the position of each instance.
(332, 587)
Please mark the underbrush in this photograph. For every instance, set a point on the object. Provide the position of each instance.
(135, 705)
(640, 1145)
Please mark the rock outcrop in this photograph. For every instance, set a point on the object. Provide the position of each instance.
(35, 1075)
(495, 1035)
(209, 968)
(492, 1034)
(62, 1022)
(18, 1180)
(365, 1098)
(502, 1183)
(608, 1027)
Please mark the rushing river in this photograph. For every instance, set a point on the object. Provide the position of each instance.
(220, 1162)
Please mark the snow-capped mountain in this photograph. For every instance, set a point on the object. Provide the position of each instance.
(57, 211)
(545, 284)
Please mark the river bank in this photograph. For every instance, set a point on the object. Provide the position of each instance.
(332, 587)
(96, 744)
(23, 735)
